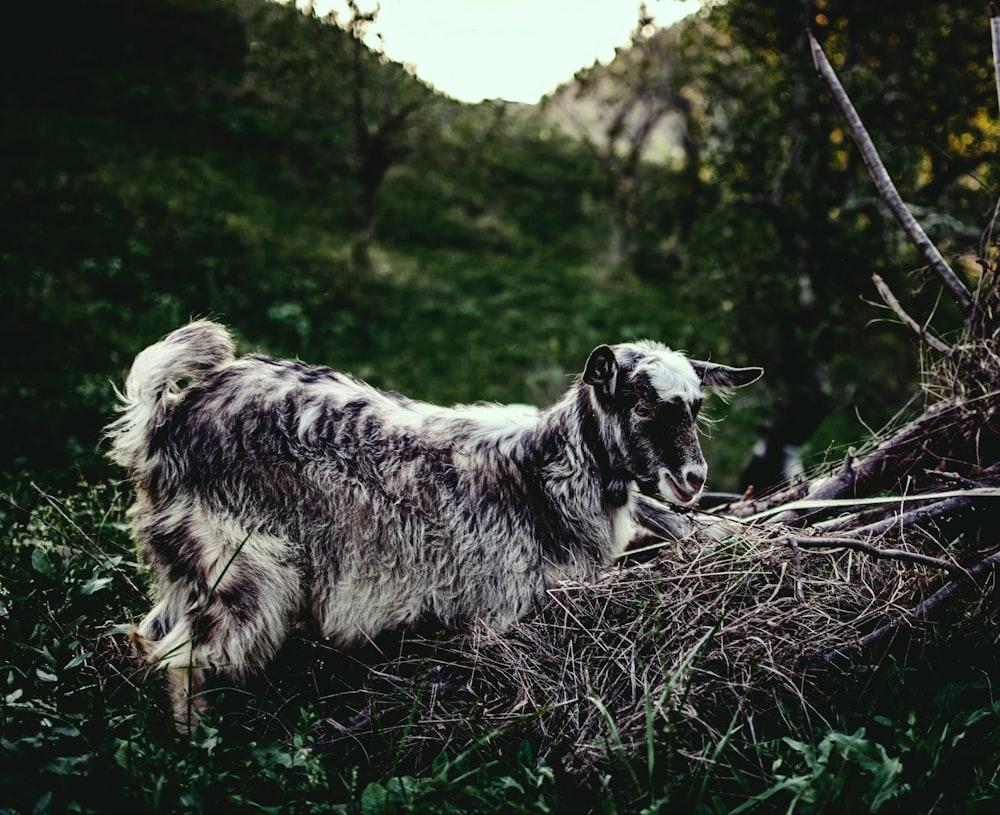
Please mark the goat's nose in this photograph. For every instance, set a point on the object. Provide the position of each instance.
(695, 481)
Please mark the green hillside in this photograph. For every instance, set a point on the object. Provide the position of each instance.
(164, 159)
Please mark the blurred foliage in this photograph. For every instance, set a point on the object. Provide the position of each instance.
(774, 228)
(163, 159)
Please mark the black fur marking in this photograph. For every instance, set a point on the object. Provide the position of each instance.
(673, 435)
(239, 597)
(179, 552)
(614, 479)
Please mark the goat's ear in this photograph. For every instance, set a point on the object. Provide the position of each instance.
(713, 375)
(602, 370)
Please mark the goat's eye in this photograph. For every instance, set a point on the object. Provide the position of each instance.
(644, 410)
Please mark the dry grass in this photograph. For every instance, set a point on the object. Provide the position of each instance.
(674, 650)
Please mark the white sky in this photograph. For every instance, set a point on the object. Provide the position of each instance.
(517, 50)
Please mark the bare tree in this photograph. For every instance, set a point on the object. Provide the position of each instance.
(618, 110)
(384, 104)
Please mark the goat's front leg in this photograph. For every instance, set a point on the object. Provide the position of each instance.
(660, 520)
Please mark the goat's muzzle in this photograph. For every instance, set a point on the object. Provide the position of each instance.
(683, 489)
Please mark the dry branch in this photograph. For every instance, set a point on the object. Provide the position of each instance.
(893, 520)
(908, 321)
(883, 182)
(945, 433)
(995, 38)
(827, 542)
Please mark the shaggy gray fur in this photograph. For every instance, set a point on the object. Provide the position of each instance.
(269, 491)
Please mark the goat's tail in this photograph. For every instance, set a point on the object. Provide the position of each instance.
(154, 382)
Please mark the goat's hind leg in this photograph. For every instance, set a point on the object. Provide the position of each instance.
(238, 627)
(227, 598)
(165, 640)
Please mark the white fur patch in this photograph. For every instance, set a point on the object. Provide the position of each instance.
(672, 376)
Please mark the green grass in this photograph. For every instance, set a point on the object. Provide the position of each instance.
(84, 728)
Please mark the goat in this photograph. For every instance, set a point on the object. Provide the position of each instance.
(269, 491)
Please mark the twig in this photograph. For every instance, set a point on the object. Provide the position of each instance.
(903, 520)
(913, 325)
(953, 478)
(876, 552)
(920, 612)
(847, 468)
(995, 36)
(797, 559)
(833, 503)
(883, 182)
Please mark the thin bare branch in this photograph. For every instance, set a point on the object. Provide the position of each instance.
(921, 331)
(825, 503)
(846, 526)
(884, 184)
(995, 36)
(804, 542)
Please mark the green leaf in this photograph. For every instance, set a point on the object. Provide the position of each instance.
(78, 660)
(45, 676)
(95, 584)
(123, 753)
(374, 799)
(42, 804)
(40, 563)
(70, 732)
(68, 765)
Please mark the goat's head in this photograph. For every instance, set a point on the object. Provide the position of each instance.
(650, 397)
